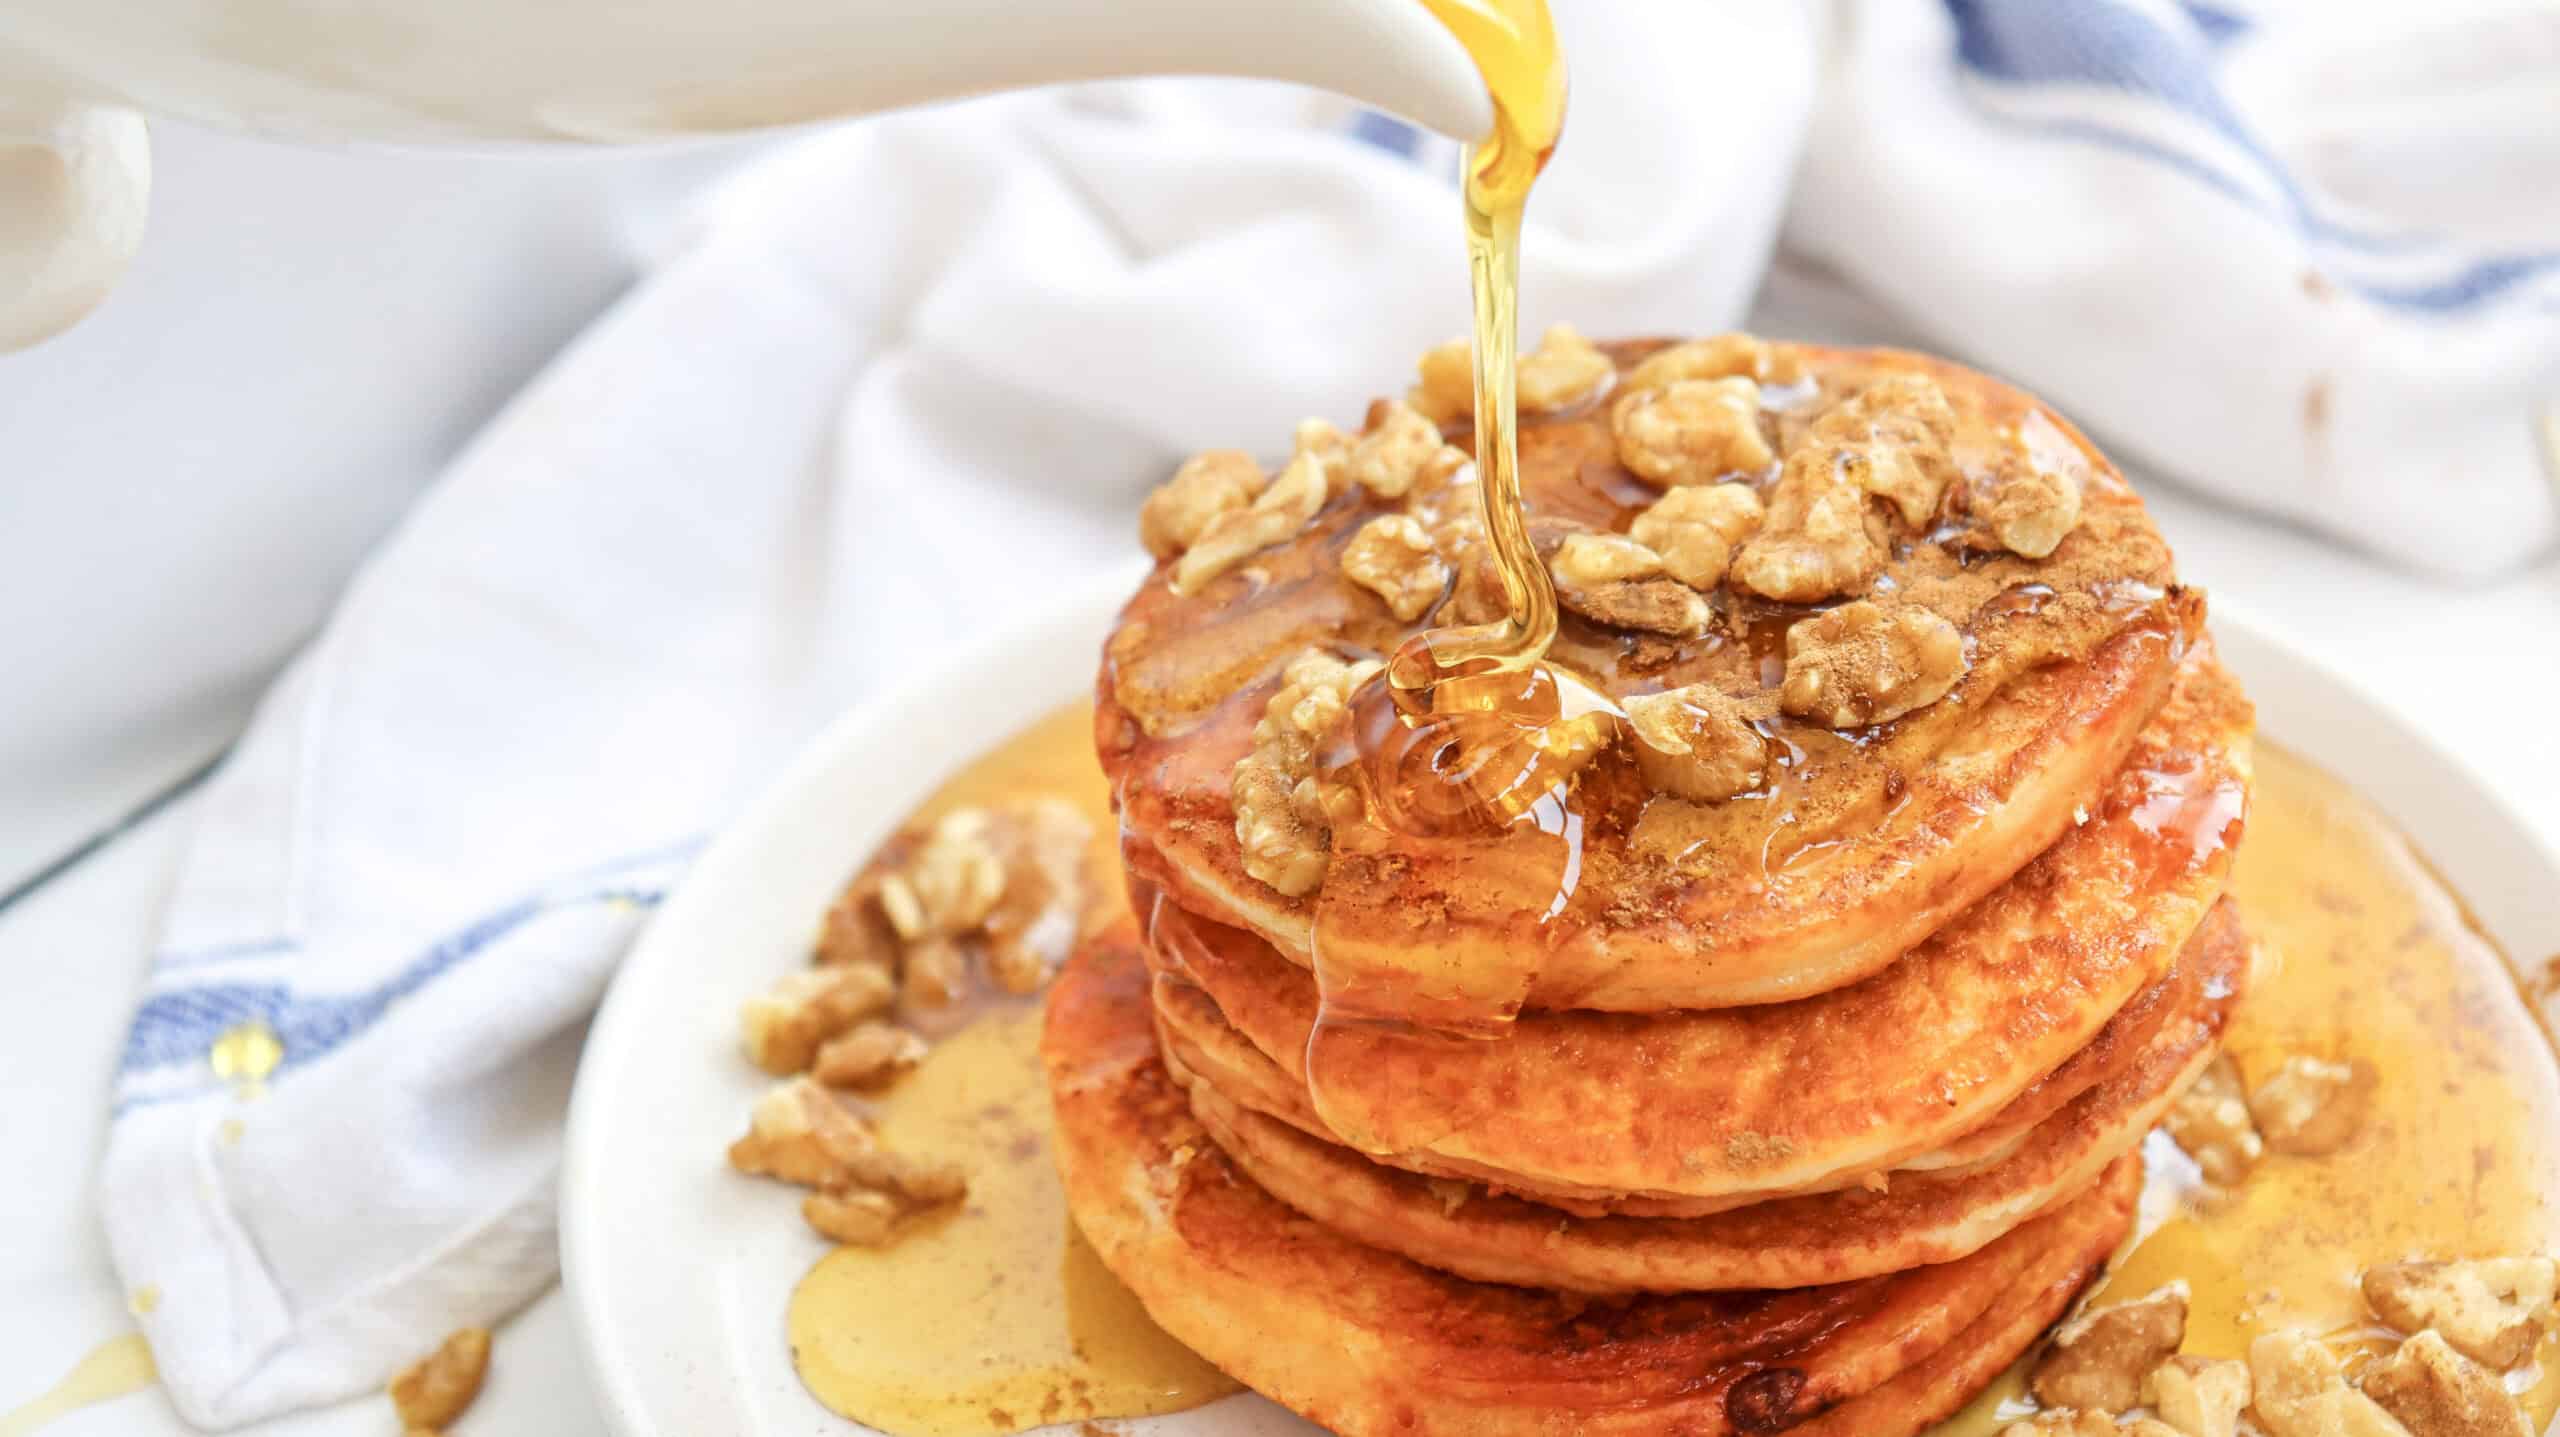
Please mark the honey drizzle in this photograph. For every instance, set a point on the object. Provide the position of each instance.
(117, 1367)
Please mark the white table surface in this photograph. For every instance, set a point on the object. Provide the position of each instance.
(2478, 669)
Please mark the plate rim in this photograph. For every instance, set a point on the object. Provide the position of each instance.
(2356, 730)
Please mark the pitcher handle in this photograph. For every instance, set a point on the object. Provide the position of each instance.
(75, 185)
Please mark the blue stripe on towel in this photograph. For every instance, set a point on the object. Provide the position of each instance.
(2113, 46)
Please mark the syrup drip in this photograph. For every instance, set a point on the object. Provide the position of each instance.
(115, 1368)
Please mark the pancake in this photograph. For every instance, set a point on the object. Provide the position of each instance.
(1788, 1242)
(1860, 843)
(1198, 1040)
(1363, 1342)
(1786, 1097)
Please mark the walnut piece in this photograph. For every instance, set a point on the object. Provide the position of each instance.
(1448, 387)
(1654, 606)
(1695, 530)
(1392, 557)
(1863, 663)
(1329, 446)
(1818, 539)
(782, 1027)
(1275, 516)
(2098, 1359)
(951, 884)
(1589, 559)
(2198, 1396)
(2211, 1122)
(800, 1133)
(934, 976)
(1563, 371)
(2033, 509)
(870, 1055)
(2299, 1390)
(1280, 820)
(1723, 356)
(1898, 429)
(1401, 451)
(431, 1393)
(1695, 742)
(1206, 486)
(1047, 892)
(2487, 1308)
(2437, 1392)
(2070, 1422)
(1691, 431)
(855, 1218)
(2312, 1106)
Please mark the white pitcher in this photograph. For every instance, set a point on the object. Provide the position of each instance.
(77, 75)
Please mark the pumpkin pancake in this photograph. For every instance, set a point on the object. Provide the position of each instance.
(1789, 1097)
(1785, 1242)
(1855, 844)
(1362, 1341)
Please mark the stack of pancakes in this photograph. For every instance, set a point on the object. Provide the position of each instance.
(1806, 1108)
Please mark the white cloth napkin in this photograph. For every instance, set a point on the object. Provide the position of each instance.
(911, 376)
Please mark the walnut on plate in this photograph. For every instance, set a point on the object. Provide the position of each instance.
(1275, 515)
(868, 1055)
(1401, 451)
(2098, 1359)
(2489, 1309)
(1863, 663)
(1697, 743)
(2198, 1396)
(2211, 1122)
(2437, 1392)
(438, 1388)
(2311, 1106)
(783, 1028)
(1695, 530)
(1691, 431)
(2299, 1389)
(1392, 556)
(801, 1133)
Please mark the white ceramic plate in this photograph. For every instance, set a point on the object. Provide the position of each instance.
(678, 1273)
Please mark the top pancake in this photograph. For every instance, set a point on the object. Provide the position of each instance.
(1860, 842)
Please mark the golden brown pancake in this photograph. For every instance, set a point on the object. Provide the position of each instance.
(1786, 1097)
(1864, 841)
(1366, 1342)
(1787, 1242)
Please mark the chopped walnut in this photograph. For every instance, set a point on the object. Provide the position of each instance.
(782, 1027)
(1401, 451)
(1588, 559)
(1695, 742)
(854, 1218)
(2311, 1106)
(439, 1387)
(2199, 1396)
(1330, 447)
(1817, 539)
(935, 976)
(1692, 431)
(2487, 1309)
(1654, 606)
(2098, 1359)
(2033, 509)
(951, 884)
(1206, 486)
(2072, 1422)
(1275, 515)
(1863, 663)
(2211, 1122)
(1695, 530)
(2437, 1392)
(855, 931)
(871, 1055)
(1723, 356)
(2299, 1390)
(1448, 387)
(1047, 891)
(1898, 430)
(1563, 371)
(1392, 557)
(800, 1133)
(1280, 821)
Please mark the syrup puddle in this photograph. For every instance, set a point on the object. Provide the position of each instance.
(115, 1368)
